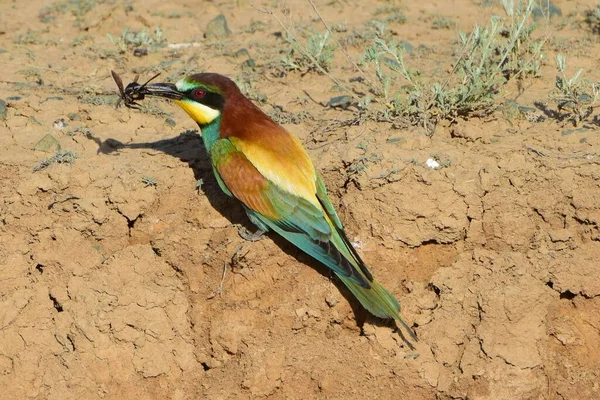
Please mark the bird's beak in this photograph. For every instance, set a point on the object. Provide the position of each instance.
(167, 90)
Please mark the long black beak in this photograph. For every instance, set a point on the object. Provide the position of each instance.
(167, 90)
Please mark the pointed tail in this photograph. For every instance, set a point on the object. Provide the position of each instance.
(378, 301)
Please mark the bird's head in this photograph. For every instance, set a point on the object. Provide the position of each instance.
(202, 96)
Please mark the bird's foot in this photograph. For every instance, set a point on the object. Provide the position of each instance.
(249, 236)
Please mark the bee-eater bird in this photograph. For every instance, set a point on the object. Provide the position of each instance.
(265, 167)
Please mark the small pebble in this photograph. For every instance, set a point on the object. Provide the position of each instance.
(408, 48)
(3, 110)
(431, 163)
(339, 101)
(398, 139)
(241, 53)
(60, 124)
(567, 132)
(217, 28)
(525, 109)
(249, 63)
(332, 300)
(57, 98)
(140, 52)
(47, 144)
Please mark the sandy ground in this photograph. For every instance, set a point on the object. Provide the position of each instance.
(120, 278)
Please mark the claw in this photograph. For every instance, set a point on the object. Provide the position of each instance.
(249, 236)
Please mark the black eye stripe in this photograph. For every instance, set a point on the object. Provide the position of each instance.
(209, 99)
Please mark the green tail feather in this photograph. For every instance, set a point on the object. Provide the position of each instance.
(378, 301)
(339, 255)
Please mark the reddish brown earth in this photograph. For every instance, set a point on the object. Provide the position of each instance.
(112, 288)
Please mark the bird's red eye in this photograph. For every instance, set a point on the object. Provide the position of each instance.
(198, 93)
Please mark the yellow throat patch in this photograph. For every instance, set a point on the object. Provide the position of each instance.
(200, 113)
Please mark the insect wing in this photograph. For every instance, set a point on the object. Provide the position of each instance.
(119, 82)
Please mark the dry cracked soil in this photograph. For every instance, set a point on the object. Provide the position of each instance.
(122, 274)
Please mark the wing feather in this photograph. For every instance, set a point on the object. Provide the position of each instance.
(283, 162)
(311, 224)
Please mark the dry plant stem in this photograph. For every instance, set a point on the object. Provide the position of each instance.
(225, 266)
(521, 26)
(456, 64)
(431, 102)
(365, 77)
(306, 54)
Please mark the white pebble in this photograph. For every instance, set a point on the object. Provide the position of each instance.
(431, 163)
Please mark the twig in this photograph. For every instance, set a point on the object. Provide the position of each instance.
(536, 151)
(219, 291)
(313, 100)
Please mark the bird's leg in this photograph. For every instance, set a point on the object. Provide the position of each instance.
(249, 236)
(262, 228)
